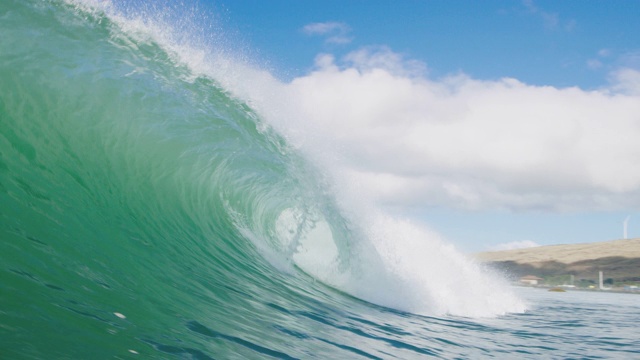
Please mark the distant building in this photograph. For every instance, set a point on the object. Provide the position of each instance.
(530, 280)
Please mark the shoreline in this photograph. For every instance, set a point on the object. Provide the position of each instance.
(567, 289)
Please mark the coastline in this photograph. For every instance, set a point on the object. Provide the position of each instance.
(611, 264)
(569, 289)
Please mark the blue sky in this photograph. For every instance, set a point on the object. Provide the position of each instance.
(558, 43)
(518, 123)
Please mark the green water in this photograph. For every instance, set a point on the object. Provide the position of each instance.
(118, 181)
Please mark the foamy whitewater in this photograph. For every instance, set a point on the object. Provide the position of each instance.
(162, 198)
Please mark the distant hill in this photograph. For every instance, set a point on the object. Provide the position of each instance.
(618, 259)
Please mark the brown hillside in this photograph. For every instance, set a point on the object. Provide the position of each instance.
(618, 259)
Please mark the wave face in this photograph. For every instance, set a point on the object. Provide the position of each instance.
(145, 210)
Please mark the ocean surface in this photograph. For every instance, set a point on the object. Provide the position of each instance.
(149, 209)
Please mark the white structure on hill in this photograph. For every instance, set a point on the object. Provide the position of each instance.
(625, 225)
(530, 280)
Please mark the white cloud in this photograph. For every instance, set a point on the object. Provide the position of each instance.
(323, 28)
(403, 139)
(381, 57)
(466, 143)
(514, 245)
(597, 62)
(626, 81)
(335, 32)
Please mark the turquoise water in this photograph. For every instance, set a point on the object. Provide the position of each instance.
(148, 211)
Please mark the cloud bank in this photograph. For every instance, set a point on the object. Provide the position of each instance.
(380, 124)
